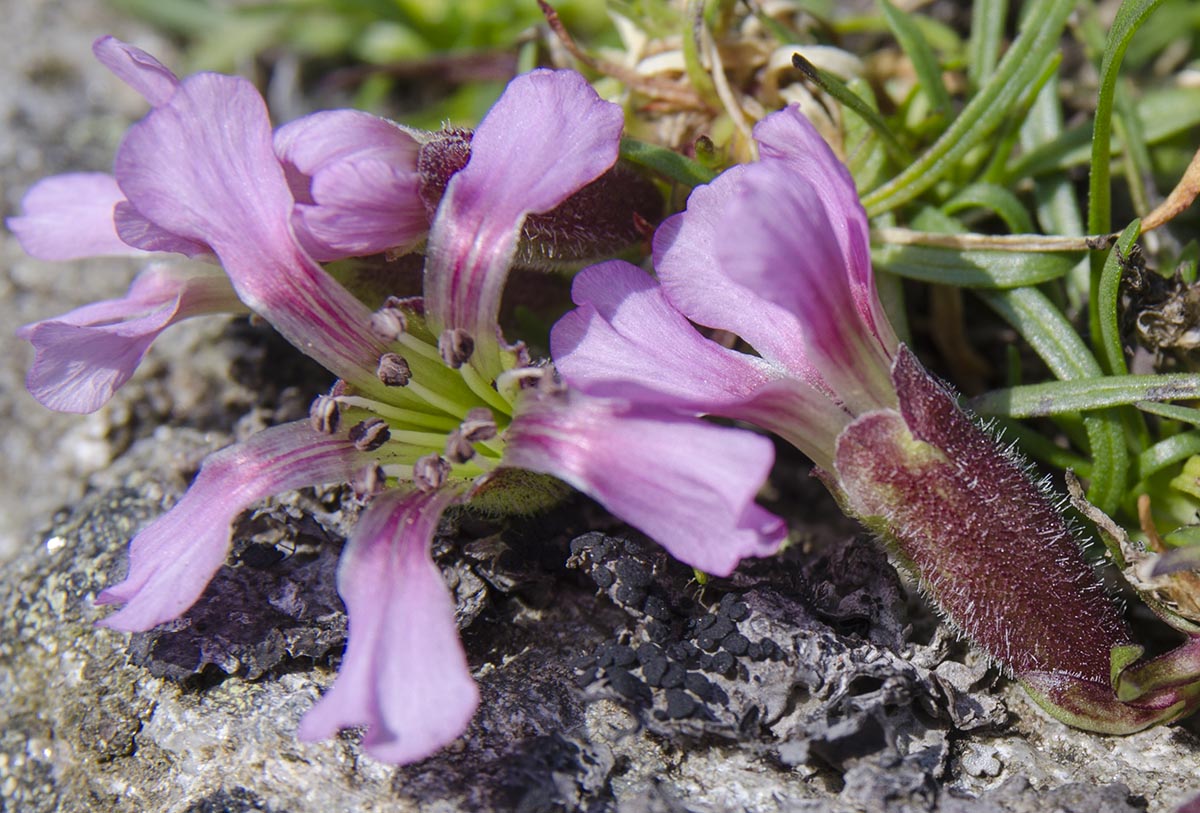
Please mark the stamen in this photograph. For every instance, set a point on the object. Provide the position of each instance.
(458, 447)
(389, 322)
(368, 481)
(430, 472)
(370, 434)
(479, 424)
(456, 347)
(393, 370)
(324, 415)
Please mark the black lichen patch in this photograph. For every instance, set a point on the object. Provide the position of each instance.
(238, 800)
(799, 657)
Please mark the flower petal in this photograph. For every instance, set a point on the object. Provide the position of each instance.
(685, 258)
(134, 229)
(789, 137)
(203, 167)
(354, 176)
(404, 675)
(547, 137)
(136, 68)
(688, 484)
(173, 559)
(67, 217)
(82, 357)
(776, 239)
(627, 341)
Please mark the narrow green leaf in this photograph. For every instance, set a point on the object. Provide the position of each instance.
(997, 199)
(667, 163)
(987, 109)
(1130, 16)
(1112, 355)
(1174, 449)
(1083, 394)
(987, 34)
(973, 269)
(925, 63)
(1171, 412)
(836, 88)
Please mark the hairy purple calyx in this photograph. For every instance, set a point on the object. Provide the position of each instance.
(990, 548)
(605, 216)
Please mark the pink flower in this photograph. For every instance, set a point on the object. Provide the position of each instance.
(776, 252)
(433, 406)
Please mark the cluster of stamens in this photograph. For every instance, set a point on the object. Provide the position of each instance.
(442, 423)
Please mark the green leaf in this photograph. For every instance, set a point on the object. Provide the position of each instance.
(1174, 449)
(1019, 68)
(667, 163)
(1130, 16)
(999, 200)
(987, 34)
(925, 63)
(1171, 411)
(1083, 394)
(973, 268)
(836, 88)
(1112, 354)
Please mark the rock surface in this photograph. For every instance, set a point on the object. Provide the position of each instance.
(610, 681)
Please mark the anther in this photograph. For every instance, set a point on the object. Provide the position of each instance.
(368, 481)
(393, 370)
(430, 472)
(389, 322)
(479, 424)
(324, 415)
(456, 346)
(458, 447)
(370, 434)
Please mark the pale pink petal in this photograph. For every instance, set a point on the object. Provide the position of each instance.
(627, 341)
(548, 136)
(789, 137)
(82, 357)
(203, 167)
(404, 675)
(354, 177)
(688, 484)
(776, 239)
(172, 560)
(67, 217)
(136, 68)
(685, 258)
(134, 229)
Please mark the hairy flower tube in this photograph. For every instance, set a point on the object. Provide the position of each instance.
(432, 407)
(776, 252)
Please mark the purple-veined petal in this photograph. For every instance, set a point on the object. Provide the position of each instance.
(133, 228)
(685, 258)
(203, 167)
(354, 177)
(173, 559)
(625, 340)
(776, 239)
(67, 217)
(136, 68)
(547, 137)
(82, 357)
(404, 675)
(688, 484)
(789, 137)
